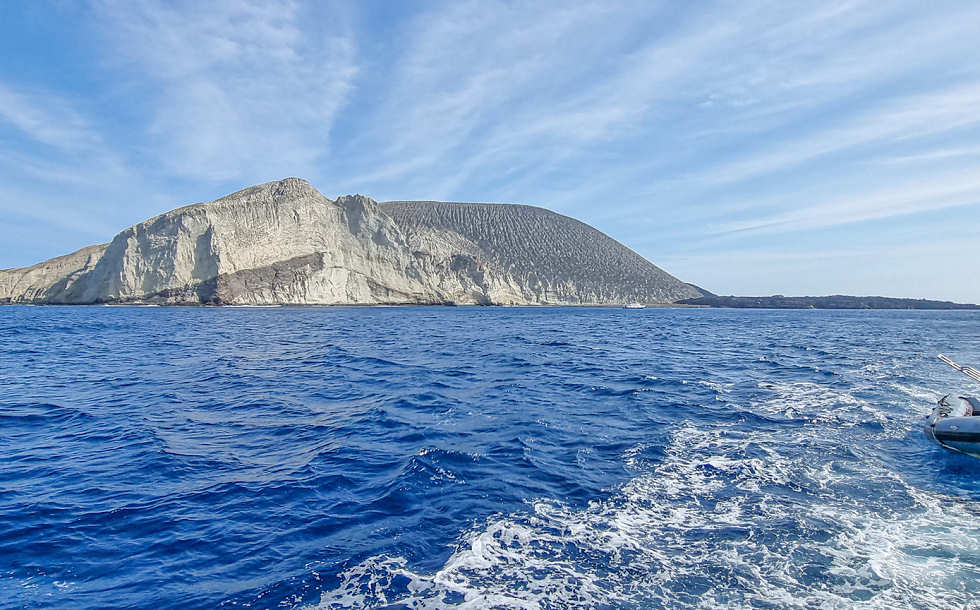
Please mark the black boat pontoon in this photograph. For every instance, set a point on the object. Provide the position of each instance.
(955, 420)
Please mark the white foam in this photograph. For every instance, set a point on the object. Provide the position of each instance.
(723, 520)
(814, 402)
(921, 395)
(717, 386)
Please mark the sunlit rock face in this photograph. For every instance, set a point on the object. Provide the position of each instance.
(285, 243)
(36, 284)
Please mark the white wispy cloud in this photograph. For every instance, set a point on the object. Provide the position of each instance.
(27, 200)
(942, 153)
(918, 268)
(480, 90)
(662, 124)
(45, 117)
(235, 90)
(913, 117)
(46, 183)
(936, 192)
(460, 75)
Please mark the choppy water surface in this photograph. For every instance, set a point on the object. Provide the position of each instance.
(481, 457)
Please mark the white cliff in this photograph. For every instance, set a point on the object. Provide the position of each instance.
(285, 243)
(34, 284)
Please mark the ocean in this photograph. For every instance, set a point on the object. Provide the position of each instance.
(444, 457)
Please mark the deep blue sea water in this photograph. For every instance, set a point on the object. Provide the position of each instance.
(437, 457)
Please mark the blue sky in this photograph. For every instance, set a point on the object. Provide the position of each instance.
(748, 147)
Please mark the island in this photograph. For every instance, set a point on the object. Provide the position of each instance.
(285, 243)
(836, 301)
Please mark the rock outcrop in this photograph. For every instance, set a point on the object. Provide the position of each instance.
(37, 283)
(285, 243)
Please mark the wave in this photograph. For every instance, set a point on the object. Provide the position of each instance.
(725, 520)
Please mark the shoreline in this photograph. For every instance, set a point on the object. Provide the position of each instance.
(954, 307)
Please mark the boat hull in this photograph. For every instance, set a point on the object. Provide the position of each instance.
(955, 424)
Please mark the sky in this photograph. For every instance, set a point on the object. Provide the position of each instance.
(751, 148)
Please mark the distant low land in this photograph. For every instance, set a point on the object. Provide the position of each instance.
(836, 301)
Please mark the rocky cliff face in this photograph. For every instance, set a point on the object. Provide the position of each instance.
(285, 243)
(38, 283)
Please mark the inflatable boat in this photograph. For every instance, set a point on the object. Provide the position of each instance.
(955, 420)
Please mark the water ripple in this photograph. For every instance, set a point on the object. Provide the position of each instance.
(481, 457)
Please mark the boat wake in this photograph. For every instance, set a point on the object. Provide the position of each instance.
(724, 520)
(509, 458)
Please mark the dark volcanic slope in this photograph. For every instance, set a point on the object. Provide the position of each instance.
(539, 247)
